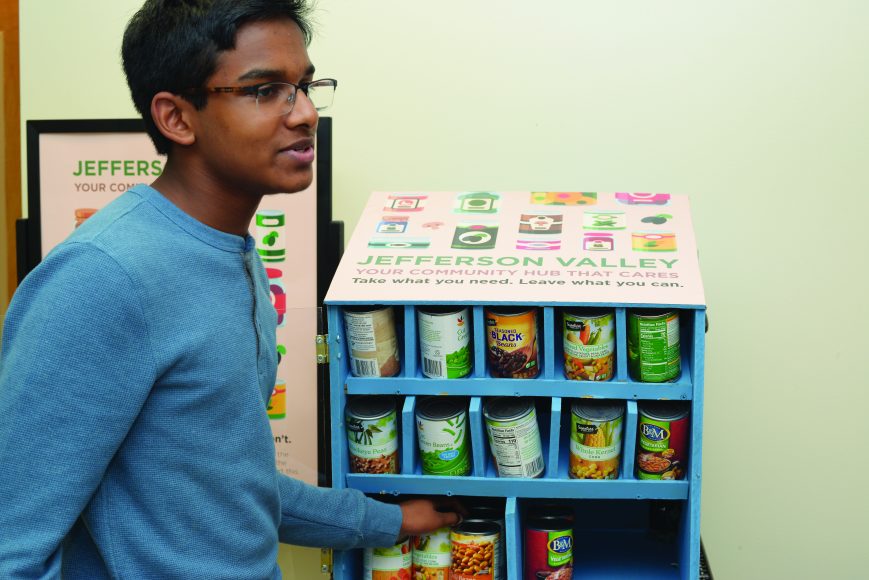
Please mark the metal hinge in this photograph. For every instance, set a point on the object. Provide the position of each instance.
(326, 561)
(322, 349)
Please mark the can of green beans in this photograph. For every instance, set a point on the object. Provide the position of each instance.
(442, 427)
(653, 346)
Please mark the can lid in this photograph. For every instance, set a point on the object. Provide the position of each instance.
(485, 512)
(664, 410)
(549, 524)
(477, 528)
(509, 310)
(370, 406)
(552, 511)
(365, 309)
(652, 313)
(589, 313)
(435, 408)
(507, 408)
(440, 310)
(597, 409)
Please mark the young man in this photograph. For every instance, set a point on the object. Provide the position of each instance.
(138, 358)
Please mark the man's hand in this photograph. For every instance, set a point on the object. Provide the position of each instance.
(421, 516)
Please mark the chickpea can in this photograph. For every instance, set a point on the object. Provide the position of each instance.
(662, 440)
(549, 549)
(473, 551)
(372, 434)
(511, 342)
(442, 434)
(432, 555)
(514, 437)
(653, 346)
(589, 345)
(392, 563)
(372, 341)
(596, 429)
(445, 342)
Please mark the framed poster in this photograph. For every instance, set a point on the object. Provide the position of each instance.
(75, 167)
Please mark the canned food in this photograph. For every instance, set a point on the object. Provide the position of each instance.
(653, 346)
(662, 433)
(589, 345)
(490, 513)
(442, 432)
(432, 555)
(511, 342)
(549, 549)
(445, 342)
(270, 234)
(514, 438)
(393, 563)
(596, 439)
(372, 434)
(277, 407)
(372, 341)
(473, 550)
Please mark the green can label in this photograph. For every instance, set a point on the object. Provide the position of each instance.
(653, 347)
(443, 446)
(589, 347)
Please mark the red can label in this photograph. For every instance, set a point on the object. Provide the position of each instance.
(663, 448)
(548, 554)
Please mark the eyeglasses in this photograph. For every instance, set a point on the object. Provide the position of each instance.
(276, 99)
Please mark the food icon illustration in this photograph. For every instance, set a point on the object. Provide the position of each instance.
(278, 294)
(408, 243)
(604, 220)
(477, 202)
(477, 235)
(270, 234)
(643, 198)
(541, 223)
(392, 224)
(598, 242)
(653, 242)
(405, 202)
(539, 244)
(658, 220)
(563, 198)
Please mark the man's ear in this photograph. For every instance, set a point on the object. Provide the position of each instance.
(172, 115)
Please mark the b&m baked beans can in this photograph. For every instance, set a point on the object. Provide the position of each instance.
(474, 551)
(511, 342)
(445, 341)
(372, 341)
(549, 549)
(653, 346)
(662, 440)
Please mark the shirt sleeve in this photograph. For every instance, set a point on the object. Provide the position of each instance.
(75, 370)
(335, 518)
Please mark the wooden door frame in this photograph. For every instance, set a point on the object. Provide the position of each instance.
(12, 138)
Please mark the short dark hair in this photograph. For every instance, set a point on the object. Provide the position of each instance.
(173, 45)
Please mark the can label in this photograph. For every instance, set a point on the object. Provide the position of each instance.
(663, 448)
(511, 341)
(373, 343)
(595, 447)
(444, 341)
(653, 242)
(474, 557)
(653, 347)
(443, 446)
(432, 555)
(478, 235)
(516, 446)
(393, 563)
(373, 444)
(477, 202)
(548, 552)
(604, 220)
(277, 407)
(589, 347)
(541, 223)
(270, 242)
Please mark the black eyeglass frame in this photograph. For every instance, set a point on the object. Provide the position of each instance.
(254, 89)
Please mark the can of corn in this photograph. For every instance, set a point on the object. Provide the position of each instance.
(662, 439)
(511, 342)
(653, 346)
(589, 345)
(372, 434)
(474, 554)
(372, 341)
(445, 341)
(442, 433)
(514, 437)
(596, 429)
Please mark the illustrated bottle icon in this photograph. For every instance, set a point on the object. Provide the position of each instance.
(270, 234)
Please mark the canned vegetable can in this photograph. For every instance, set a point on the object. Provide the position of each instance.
(589, 345)
(372, 341)
(653, 346)
(388, 563)
(596, 429)
(511, 342)
(372, 434)
(442, 433)
(432, 555)
(445, 342)
(514, 437)
(662, 434)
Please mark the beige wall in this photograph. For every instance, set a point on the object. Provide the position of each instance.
(755, 108)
